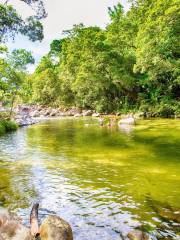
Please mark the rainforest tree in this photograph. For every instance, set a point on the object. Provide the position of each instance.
(132, 64)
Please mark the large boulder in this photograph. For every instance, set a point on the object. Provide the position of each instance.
(55, 228)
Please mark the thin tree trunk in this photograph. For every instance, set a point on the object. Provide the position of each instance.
(12, 104)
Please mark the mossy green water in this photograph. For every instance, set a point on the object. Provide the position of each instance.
(104, 181)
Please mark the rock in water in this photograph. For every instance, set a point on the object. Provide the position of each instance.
(55, 228)
(138, 235)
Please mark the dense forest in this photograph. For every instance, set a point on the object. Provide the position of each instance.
(131, 65)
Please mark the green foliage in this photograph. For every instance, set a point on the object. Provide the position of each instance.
(13, 75)
(7, 126)
(56, 46)
(33, 29)
(157, 51)
(13, 65)
(4, 115)
(20, 58)
(132, 64)
(11, 23)
(46, 86)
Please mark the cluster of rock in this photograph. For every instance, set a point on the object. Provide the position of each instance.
(22, 116)
(25, 120)
(28, 115)
(52, 228)
(41, 111)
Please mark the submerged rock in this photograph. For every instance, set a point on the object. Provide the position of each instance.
(165, 211)
(138, 235)
(55, 228)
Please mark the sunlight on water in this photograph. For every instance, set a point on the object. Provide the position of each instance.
(104, 181)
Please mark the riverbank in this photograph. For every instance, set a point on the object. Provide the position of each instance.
(46, 111)
(25, 115)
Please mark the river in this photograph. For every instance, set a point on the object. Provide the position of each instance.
(103, 181)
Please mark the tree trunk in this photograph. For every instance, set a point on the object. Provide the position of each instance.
(12, 104)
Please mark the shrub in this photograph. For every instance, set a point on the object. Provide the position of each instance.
(7, 126)
(10, 126)
(2, 128)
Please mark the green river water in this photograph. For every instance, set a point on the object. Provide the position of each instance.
(104, 181)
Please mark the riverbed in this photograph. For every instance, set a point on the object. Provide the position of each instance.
(103, 181)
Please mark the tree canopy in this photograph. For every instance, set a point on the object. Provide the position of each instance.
(11, 23)
(132, 64)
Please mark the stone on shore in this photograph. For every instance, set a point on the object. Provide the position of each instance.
(55, 228)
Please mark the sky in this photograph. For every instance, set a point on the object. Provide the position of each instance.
(62, 15)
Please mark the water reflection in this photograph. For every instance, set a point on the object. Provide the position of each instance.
(102, 180)
(126, 128)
